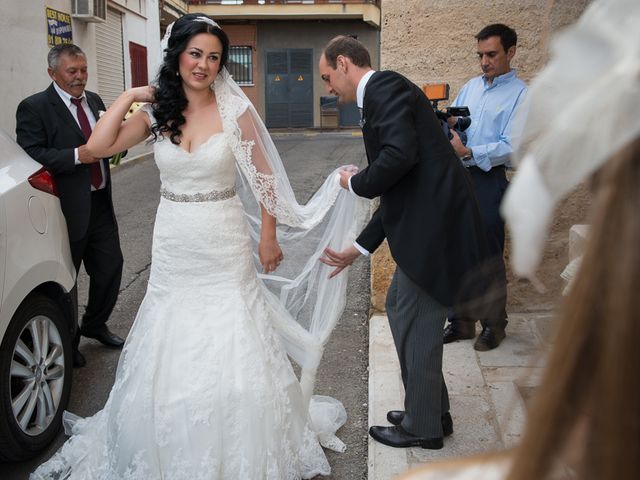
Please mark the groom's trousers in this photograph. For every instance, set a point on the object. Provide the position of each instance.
(416, 322)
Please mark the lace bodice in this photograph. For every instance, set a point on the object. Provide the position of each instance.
(210, 166)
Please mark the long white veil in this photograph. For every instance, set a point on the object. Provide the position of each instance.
(308, 303)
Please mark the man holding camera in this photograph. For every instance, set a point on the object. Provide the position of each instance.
(492, 98)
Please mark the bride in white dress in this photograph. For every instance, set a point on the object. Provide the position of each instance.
(204, 388)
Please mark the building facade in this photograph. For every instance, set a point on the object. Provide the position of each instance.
(276, 46)
(120, 38)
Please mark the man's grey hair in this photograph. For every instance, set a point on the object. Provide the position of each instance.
(53, 58)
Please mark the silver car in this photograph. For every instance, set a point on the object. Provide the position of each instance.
(37, 310)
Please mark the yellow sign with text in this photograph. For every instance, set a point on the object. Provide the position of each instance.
(58, 27)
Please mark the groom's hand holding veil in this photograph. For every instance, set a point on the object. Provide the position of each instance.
(341, 260)
(346, 172)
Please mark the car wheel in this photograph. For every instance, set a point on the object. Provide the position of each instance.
(35, 378)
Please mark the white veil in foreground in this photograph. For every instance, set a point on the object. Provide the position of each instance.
(583, 107)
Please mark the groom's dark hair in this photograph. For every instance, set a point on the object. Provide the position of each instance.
(350, 48)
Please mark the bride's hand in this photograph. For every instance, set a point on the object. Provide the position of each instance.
(270, 254)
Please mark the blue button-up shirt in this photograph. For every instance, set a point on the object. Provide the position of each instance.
(492, 108)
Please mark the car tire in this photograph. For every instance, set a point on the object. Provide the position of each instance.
(36, 381)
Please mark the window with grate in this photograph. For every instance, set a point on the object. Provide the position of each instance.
(240, 64)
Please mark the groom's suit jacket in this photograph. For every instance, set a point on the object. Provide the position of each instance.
(428, 210)
(47, 131)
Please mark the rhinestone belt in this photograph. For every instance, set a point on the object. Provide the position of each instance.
(213, 196)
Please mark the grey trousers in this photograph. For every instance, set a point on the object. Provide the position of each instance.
(416, 322)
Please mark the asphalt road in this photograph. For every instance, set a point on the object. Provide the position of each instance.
(308, 158)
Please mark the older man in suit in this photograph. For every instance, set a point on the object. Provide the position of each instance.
(429, 215)
(53, 127)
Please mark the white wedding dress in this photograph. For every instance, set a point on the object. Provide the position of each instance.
(204, 388)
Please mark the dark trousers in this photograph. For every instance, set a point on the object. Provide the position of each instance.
(490, 188)
(100, 252)
(416, 321)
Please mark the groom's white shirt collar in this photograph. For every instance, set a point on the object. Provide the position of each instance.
(362, 84)
(360, 101)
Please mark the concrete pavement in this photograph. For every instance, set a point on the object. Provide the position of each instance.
(488, 391)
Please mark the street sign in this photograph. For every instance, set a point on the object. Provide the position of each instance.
(58, 27)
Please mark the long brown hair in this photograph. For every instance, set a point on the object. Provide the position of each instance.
(592, 377)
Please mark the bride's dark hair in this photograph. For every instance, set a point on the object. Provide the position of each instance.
(170, 100)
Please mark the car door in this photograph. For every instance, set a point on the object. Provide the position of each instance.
(3, 254)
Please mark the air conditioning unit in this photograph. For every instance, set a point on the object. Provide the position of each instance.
(89, 10)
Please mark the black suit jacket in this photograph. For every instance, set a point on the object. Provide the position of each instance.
(428, 210)
(47, 131)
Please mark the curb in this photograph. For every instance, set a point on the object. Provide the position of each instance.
(488, 391)
(385, 393)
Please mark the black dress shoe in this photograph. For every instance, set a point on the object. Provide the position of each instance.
(459, 330)
(398, 437)
(395, 417)
(489, 338)
(78, 359)
(106, 337)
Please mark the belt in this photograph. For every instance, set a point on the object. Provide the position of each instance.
(212, 196)
(474, 168)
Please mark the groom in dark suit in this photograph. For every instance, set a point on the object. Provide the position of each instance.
(53, 127)
(429, 215)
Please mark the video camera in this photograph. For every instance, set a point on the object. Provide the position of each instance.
(437, 92)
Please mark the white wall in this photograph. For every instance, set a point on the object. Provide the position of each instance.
(143, 30)
(141, 25)
(23, 49)
(152, 40)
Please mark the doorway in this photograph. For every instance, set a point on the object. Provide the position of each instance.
(289, 88)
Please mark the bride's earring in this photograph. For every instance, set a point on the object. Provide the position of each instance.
(177, 74)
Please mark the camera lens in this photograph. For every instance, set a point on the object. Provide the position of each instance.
(463, 123)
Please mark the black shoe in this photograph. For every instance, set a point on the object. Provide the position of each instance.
(447, 424)
(395, 417)
(398, 437)
(459, 330)
(489, 338)
(106, 337)
(78, 359)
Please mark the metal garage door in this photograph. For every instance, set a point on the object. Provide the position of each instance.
(289, 88)
(110, 57)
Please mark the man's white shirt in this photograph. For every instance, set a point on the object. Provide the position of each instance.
(362, 84)
(66, 98)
